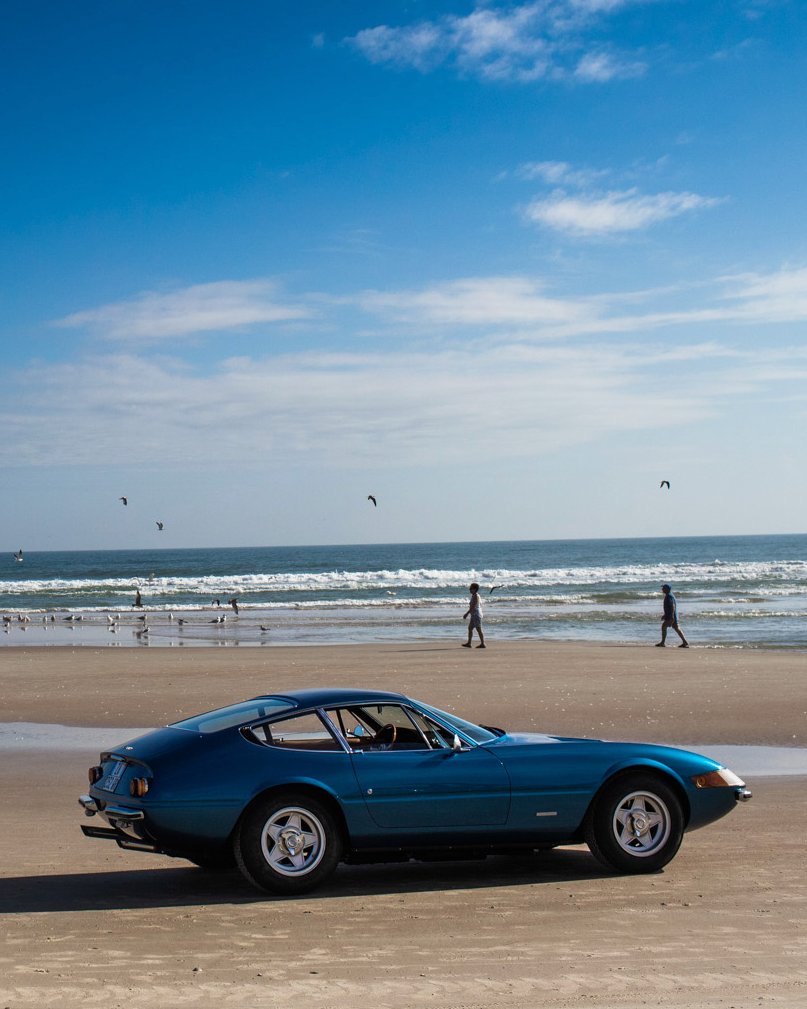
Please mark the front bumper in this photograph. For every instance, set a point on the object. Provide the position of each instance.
(743, 794)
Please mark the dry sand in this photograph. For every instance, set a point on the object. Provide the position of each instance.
(725, 925)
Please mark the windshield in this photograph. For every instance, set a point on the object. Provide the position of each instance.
(234, 714)
(474, 732)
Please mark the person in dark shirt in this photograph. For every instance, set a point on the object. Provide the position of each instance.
(670, 618)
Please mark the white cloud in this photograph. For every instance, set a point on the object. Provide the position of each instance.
(154, 316)
(420, 46)
(557, 173)
(521, 308)
(613, 212)
(523, 43)
(478, 301)
(773, 297)
(353, 408)
(509, 397)
(504, 400)
(599, 67)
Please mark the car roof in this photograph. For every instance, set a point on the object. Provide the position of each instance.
(326, 696)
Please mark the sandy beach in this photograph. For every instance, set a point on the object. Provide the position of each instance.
(84, 923)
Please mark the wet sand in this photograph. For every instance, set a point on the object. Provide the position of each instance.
(84, 923)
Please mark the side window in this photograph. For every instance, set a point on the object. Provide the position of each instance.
(305, 732)
(436, 735)
(378, 727)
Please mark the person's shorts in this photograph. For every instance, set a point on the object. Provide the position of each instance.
(475, 621)
(669, 623)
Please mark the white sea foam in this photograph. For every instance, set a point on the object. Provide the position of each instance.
(791, 576)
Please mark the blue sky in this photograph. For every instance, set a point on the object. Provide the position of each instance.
(504, 266)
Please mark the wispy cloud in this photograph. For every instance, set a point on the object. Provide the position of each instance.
(599, 67)
(515, 394)
(613, 212)
(560, 173)
(511, 400)
(154, 316)
(524, 308)
(525, 42)
(477, 301)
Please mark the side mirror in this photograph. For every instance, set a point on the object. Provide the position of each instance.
(456, 746)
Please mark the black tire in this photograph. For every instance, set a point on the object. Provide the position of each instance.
(287, 844)
(635, 824)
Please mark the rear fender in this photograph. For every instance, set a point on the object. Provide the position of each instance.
(304, 786)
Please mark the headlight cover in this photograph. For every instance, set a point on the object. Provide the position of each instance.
(721, 778)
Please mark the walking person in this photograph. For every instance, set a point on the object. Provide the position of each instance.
(670, 618)
(475, 612)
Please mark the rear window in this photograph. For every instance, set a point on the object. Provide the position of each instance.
(234, 714)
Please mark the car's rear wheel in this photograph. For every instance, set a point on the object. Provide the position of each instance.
(287, 844)
(635, 824)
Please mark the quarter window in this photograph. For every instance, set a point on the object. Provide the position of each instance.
(305, 732)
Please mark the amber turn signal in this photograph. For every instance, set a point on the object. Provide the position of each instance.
(139, 786)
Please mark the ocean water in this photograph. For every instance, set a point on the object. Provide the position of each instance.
(744, 591)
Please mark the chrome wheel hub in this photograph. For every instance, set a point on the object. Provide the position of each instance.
(641, 824)
(290, 841)
(293, 841)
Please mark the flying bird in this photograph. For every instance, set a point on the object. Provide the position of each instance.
(160, 526)
(493, 589)
(371, 498)
(18, 556)
(664, 483)
(124, 499)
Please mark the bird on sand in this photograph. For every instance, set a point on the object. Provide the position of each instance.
(160, 526)
(219, 620)
(124, 499)
(371, 498)
(664, 483)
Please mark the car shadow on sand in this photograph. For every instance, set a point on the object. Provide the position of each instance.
(185, 885)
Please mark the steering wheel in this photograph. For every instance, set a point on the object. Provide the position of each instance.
(386, 735)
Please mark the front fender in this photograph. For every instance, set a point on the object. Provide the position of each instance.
(639, 764)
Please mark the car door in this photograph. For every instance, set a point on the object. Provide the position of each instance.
(420, 783)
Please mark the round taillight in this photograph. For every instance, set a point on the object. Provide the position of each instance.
(95, 773)
(138, 787)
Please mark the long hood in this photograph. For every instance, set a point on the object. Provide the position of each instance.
(606, 753)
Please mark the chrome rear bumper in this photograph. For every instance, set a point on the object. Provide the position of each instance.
(119, 814)
(742, 794)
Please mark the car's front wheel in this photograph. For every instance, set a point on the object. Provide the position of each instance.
(287, 844)
(635, 824)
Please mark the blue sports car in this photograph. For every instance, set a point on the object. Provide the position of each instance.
(288, 785)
